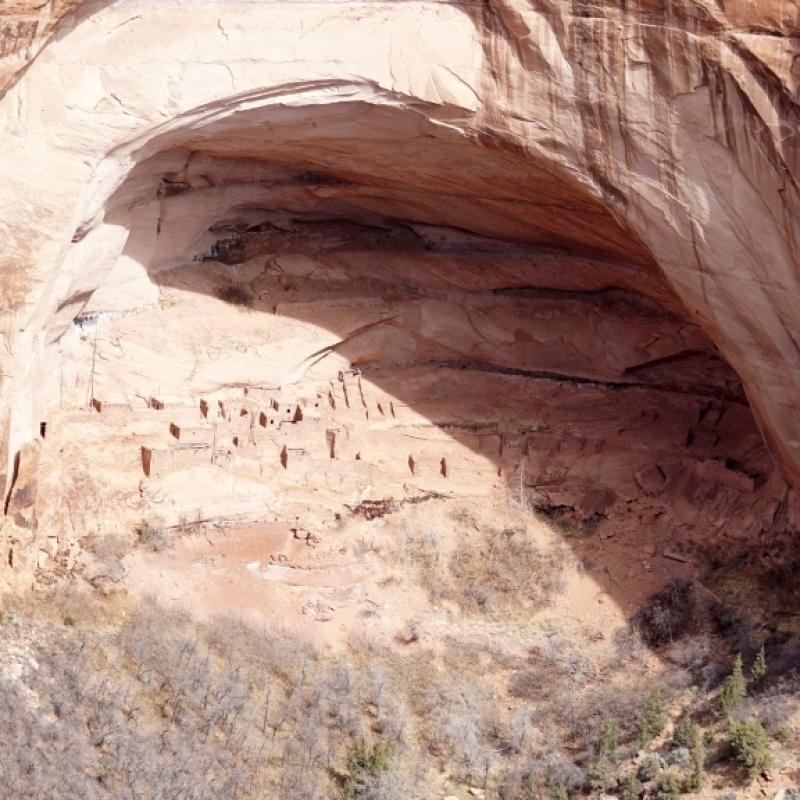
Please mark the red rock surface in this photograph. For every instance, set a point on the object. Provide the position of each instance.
(558, 191)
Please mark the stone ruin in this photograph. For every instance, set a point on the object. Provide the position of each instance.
(277, 429)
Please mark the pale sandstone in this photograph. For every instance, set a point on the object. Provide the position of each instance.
(650, 149)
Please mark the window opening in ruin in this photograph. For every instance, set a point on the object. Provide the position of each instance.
(42, 429)
(443, 467)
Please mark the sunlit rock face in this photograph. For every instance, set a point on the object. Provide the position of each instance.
(25, 27)
(557, 191)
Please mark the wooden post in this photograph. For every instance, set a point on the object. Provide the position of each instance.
(94, 361)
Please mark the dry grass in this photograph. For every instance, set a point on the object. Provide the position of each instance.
(501, 568)
(116, 700)
(478, 566)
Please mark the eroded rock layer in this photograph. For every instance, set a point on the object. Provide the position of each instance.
(559, 236)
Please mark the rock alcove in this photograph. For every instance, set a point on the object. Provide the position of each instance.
(516, 308)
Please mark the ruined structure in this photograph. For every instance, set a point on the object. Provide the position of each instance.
(547, 247)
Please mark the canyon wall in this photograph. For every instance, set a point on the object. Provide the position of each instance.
(25, 27)
(648, 146)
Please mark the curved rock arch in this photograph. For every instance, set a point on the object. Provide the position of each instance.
(660, 168)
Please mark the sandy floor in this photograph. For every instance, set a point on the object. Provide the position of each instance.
(353, 584)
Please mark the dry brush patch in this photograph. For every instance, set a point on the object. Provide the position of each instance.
(104, 697)
(151, 704)
(143, 702)
(478, 565)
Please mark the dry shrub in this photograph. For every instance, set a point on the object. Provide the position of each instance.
(557, 679)
(478, 567)
(628, 646)
(776, 711)
(235, 294)
(691, 652)
(504, 568)
(735, 625)
(458, 714)
(155, 537)
(667, 615)
(112, 546)
(424, 553)
(74, 603)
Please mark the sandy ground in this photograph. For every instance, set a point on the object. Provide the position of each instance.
(352, 583)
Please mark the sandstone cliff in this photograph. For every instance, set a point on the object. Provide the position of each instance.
(398, 398)
(646, 146)
(25, 27)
